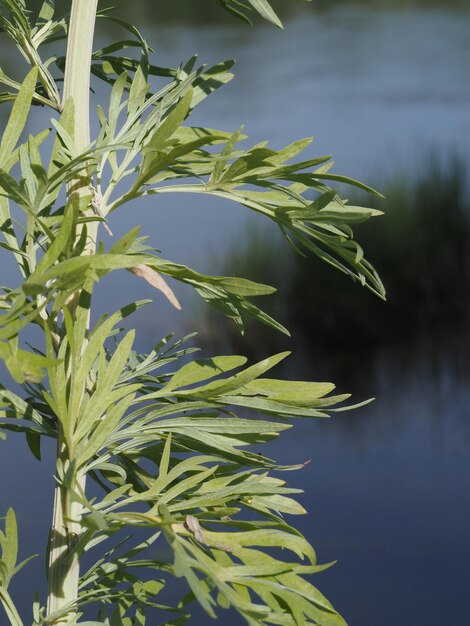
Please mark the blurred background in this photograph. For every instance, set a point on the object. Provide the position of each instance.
(384, 86)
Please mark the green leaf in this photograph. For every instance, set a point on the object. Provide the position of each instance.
(203, 369)
(232, 383)
(236, 8)
(162, 134)
(61, 240)
(9, 544)
(66, 122)
(271, 407)
(17, 9)
(34, 443)
(210, 80)
(265, 10)
(85, 360)
(278, 503)
(91, 410)
(138, 91)
(18, 116)
(47, 11)
(14, 190)
(292, 392)
(24, 366)
(224, 157)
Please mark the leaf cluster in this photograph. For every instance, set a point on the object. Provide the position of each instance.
(241, 9)
(172, 456)
(168, 438)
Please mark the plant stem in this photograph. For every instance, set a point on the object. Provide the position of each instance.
(64, 565)
(77, 67)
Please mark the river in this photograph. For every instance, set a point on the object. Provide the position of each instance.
(387, 489)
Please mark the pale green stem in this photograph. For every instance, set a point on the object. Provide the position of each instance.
(77, 67)
(10, 609)
(64, 565)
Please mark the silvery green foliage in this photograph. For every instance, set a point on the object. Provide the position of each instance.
(242, 9)
(169, 438)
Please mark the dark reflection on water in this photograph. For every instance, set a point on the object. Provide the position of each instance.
(387, 488)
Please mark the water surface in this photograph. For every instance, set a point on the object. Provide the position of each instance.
(387, 488)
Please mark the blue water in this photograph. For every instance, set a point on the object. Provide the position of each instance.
(387, 489)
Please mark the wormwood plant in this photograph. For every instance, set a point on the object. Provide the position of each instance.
(178, 470)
